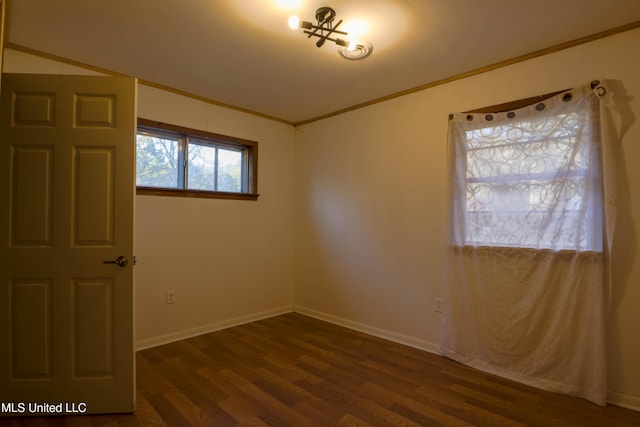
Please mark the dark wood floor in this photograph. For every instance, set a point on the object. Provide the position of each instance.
(293, 370)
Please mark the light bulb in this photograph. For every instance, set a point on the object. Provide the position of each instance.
(294, 22)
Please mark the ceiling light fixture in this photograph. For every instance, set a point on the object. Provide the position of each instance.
(356, 50)
(324, 29)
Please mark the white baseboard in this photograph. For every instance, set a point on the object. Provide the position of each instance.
(624, 400)
(371, 330)
(212, 327)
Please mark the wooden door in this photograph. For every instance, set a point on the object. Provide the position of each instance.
(67, 146)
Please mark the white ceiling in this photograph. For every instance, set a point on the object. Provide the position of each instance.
(242, 53)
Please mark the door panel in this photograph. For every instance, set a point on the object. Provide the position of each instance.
(93, 196)
(31, 329)
(93, 328)
(31, 216)
(66, 206)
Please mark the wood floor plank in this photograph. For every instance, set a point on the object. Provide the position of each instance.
(294, 370)
(146, 411)
(423, 413)
(275, 410)
(241, 407)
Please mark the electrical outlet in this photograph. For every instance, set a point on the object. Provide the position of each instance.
(439, 305)
(171, 298)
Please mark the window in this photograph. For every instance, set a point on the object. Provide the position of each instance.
(172, 160)
(530, 180)
(533, 208)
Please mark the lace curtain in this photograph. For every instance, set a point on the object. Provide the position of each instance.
(532, 215)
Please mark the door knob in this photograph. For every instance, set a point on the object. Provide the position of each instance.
(121, 261)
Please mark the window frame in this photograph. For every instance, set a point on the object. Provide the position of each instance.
(247, 147)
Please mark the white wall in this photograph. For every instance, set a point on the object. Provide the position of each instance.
(228, 261)
(371, 202)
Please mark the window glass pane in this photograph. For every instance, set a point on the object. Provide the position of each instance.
(156, 161)
(527, 184)
(169, 158)
(229, 170)
(202, 167)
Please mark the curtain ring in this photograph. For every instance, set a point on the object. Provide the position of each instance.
(540, 106)
(600, 91)
(488, 117)
(511, 114)
(469, 117)
(567, 97)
